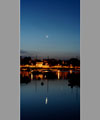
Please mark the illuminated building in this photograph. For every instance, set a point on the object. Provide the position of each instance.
(39, 64)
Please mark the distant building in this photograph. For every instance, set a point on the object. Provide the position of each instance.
(39, 64)
(71, 66)
(42, 65)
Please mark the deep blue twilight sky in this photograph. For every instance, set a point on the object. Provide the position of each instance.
(50, 28)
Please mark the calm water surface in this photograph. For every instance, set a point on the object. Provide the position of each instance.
(51, 98)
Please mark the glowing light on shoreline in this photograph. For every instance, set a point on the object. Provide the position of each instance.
(58, 74)
(70, 71)
(31, 76)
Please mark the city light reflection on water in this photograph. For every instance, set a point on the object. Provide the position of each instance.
(50, 96)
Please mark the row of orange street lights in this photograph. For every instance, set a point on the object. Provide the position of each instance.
(46, 66)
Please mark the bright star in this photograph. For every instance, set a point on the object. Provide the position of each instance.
(46, 36)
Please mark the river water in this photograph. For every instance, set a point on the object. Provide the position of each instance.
(50, 96)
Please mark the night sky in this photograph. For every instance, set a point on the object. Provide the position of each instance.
(50, 28)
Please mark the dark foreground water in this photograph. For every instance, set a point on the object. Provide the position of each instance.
(51, 99)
